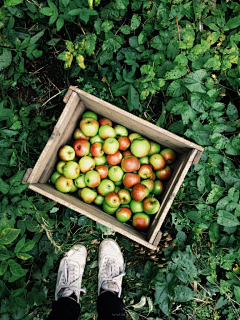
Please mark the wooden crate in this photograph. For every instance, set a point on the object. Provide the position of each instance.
(76, 102)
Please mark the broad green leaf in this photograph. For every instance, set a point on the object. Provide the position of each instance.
(227, 219)
(135, 21)
(176, 73)
(214, 233)
(18, 189)
(111, 45)
(4, 187)
(23, 256)
(8, 235)
(19, 245)
(59, 23)
(177, 127)
(194, 215)
(161, 119)
(107, 25)
(213, 63)
(46, 11)
(17, 178)
(157, 43)
(176, 88)
(16, 269)
(188, 37)
(236, 142)
(3, 267)
(232, 112)
(122, 4)
(90, 44)
(4, 253)
(133, 98)
(220, 303)
(5, 59)
(9, 3)
(161, 297)
(232, 23)
(142, 38)
(236, 291)
(35, 38)
(193, 81)
(182, 293)
(214, 194)
(125, 29)
(120, 88)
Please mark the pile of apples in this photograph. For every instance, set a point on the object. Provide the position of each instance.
(119, 171)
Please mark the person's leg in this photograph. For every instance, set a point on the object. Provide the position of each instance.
(111, 271)
(68, 286)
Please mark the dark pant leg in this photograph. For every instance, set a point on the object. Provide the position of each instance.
(110, 307)
(64, 309)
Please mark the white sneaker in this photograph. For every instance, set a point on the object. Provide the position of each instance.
(71, 268)
(111, 267)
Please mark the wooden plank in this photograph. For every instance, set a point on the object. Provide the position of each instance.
(170, 195)
(158, 238)
(67, 96)
(92, 212)
(26, 175)
(197, 157)
(134, 123)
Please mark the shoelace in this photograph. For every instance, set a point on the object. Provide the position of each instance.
(111, 271)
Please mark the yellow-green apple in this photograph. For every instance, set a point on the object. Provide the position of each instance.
(121, 131)
(114, 159)
(100, 160)
(123, 214)
(74, 189)
(157, 161)
(118, 183)
(115, 173)
(99, 200)
(88, 195)
(139, 192)
(112, 199)
(164, 174)
(145, 171)
(155, 148)
(60, 166)
(80, 181)
(110, 145)
(54, 177)
(105, 121)
(140, 147)
(117, 188)
(126, 153)
(141, 221)
(89, 114)
(169, 155)
(96, 149)
(130, 164)
(92, 179)
(89, 127)
(96, 138)
(125, 196)
(66, 153)
(108, 209)
(144, 160)
(86, 164)
(158, 188)
(130, 179)
(149, 184)
(136, 206)
(134, 136)
(77, 134)
(71, 170)
(81, 147)
(105, 187)
(102, 170)
(106, 131)
(151, 205)
(124, 143)
(63, 184)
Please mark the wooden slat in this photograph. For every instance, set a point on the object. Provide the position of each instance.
(91, 212)
(170, 194)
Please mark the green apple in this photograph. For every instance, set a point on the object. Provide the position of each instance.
(115, 173)
(80, 181)
(86, 164)
(123, 214)
(54, 177)
(92, 179)
(71, 170)
(74, 189)
(151, 205)
(88, 195)
(110, 145)
(117, 188)
(66, 153)
(106, 131)
(118, 183)
(89, 127)
(144, 160)
(112, 199)
(63, 184)
(100, 160)
(105, 187)
(155, 148)
(140, 147)
(60, 166)
(108, 209)
(96, 139)
(99, 200)
(158, 188)
(125, 196)
(89, 114)
(121, 131)
(136, 206)
(134, 136)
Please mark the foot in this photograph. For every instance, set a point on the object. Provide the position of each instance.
(111, 267)
(71, 268)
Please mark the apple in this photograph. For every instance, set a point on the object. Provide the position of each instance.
(102, 170)
(96, 138)
(149, 184)
(130, 179)
(96, 149)
(124, 196)
(74, 189)
(123, 214)
(112, 199)
(100, 160)
(105, 187)
(145, 171)
(127, 153)
(124, 143)
(144, 160)
(118, 183)
(89, 127)
(158, 188)
(121, 131)
(81, 147)
(86, 164)
(141, 221)
(92, 179)
(80, 181)
(63, 184)
(151, 205)
(114, 159)
(71, 170)
(110, 145)
(105, 121)
(66, 153)
(106, 131)
(88, 195)
(117, 189)
(60, 166)
(115, 173)
(108, 209)
(79, 135)
(164, 174)
(157, 161)
(139, 192)
(54, 177)
(155, 148)
(140, 147)
(134, 136)
(99, 200)
(169, 155)
(130, 164)
(89, 114)
(136, 206)
(153, 176)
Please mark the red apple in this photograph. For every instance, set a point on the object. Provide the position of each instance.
(63, 184)
(124, 196)
(105, 121)
(79, 135)
(145, 171)
(114, 159)
(157, 161)
(113, 200)
(102, 170)
(151, 205)
(169, 155)
(141, 221)
(130, 164)
(153, 176)
(92, 179)
(123, 214)
(86, 164)
(124, 143)
(110, 145)
(96, 149)
(89, 127)
(139, 192)
(130, 179)
(66, 153)
(106, 131)
(149, 184)
(81, 147)
(140, 147)
(164, 174)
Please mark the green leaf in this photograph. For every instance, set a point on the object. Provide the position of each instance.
(177, 72)
(161, 119)
(141, 303)
(3, 267)
(90, 43)
(46, 11)
(161, 297)
(107, 25)
(122, 4)
(214, 232)
(19, 245)
(133, 98)
(221, 303)
(35, 38)
(23, 256)
(176, 88)
(16, 269)
(232, 112)
(120, 88)
(188, 37)
(59, 24)
(182, 293)
(125, 29)
(193, 81)
(236, 290)
(213, 63)
(232, 23)
(9, 3)
(4, 187)
(135, 21)
(227, 219)
(215, 194)
(8, 235)
(17, 178)
(5, 59)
